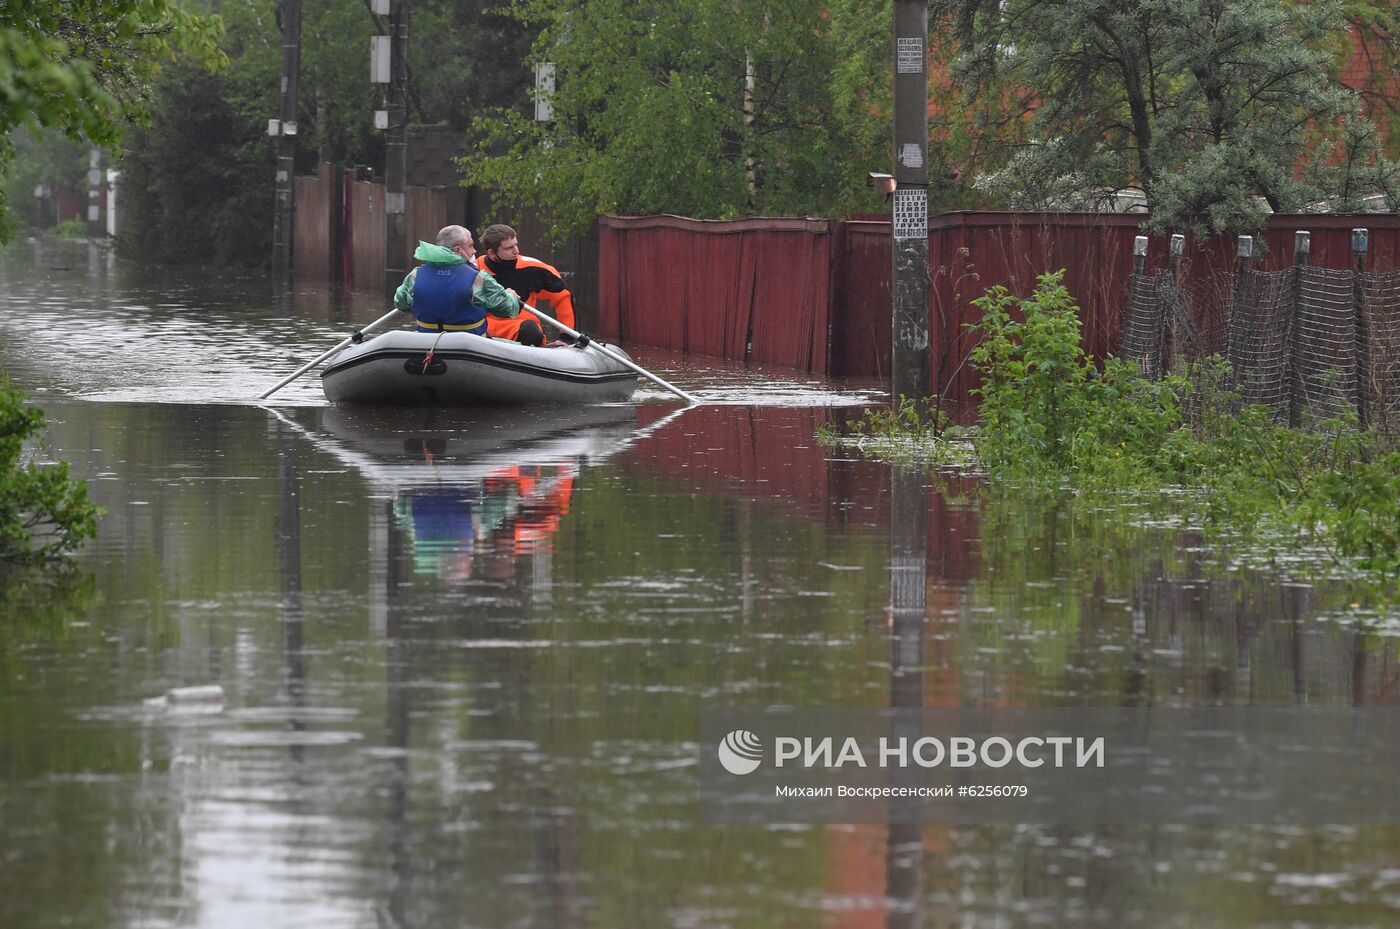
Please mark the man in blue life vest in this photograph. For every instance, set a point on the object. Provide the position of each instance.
(447, 293)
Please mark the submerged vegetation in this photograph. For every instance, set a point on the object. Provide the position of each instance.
(44, 513)
(1051, 418)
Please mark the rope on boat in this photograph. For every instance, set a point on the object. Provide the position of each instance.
(431, 351)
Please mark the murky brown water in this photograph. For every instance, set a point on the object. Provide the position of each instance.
(463, 653)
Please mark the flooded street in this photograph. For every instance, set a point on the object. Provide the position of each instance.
(463, 652)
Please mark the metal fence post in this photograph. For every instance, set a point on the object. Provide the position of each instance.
(1360, 245)
(1244, 259)
(1302, 249)
(1171, 347)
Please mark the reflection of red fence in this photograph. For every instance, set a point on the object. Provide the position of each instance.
(771, 454)
(814, 294)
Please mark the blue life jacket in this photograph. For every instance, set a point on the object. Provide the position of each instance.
(442, 299)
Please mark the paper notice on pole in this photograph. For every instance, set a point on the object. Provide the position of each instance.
(911, 213)
(911, 155)
(909, 55)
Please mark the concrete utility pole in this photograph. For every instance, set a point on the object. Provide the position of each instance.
(909, 277)
(396, 149)
(285, 129)
(96, 175)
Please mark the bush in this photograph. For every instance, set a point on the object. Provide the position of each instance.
(1051, 418)
(1046, 410)
(44, 513)
(71, 228)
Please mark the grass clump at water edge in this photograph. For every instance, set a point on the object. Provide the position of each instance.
(916, 430)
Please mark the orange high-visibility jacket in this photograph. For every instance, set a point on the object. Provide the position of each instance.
(539, 285)
(545, 495)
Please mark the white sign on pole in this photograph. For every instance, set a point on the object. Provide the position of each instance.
(379, 69)
(544, 91)
(911, 213)
(909, 55)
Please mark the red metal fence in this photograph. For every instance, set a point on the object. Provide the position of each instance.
(755, 289)
(814, 294)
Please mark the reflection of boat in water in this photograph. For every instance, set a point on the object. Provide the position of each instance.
(460, 369)
(468, 483)
(397, 448)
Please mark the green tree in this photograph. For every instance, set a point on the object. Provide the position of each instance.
(197, 183)
(44, 514)
(1211, 106)
(1374, 38)
(710, 108)
(49, 158)
(84, 66)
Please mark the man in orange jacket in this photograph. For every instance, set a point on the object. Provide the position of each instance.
(539, 284)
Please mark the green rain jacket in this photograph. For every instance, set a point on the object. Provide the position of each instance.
(486, 290)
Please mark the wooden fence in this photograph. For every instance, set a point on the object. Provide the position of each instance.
(340, 226)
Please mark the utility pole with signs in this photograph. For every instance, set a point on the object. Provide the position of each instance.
(95, 221)
(909, 278)
(396, 149)
(284, 130)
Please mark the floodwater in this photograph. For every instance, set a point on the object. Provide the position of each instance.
(463, 654)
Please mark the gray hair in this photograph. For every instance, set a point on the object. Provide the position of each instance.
(452, 236)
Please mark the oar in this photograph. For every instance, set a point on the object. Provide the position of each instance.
(545, 317)
(328, 353)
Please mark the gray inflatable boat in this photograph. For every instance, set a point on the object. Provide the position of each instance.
(461, 369)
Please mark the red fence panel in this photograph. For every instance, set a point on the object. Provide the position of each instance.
(786, 276)
(756, 289)
(367, 240)
(971, 252)
(317, 200)
(860, 311)
(428, 209)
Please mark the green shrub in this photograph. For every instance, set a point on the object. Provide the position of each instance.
(44, 513)
(1051, 418)
(1046, 411)
(71, 228)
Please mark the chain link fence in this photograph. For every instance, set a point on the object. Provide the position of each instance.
(1310, 344)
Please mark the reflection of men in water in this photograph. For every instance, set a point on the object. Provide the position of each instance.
(448, 293)
(516, 512)
(444, 533)
(544, 495)
(541, 284)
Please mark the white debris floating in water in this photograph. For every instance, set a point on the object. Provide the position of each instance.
(205, 696)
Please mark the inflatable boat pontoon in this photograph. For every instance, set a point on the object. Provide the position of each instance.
(462, 369)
